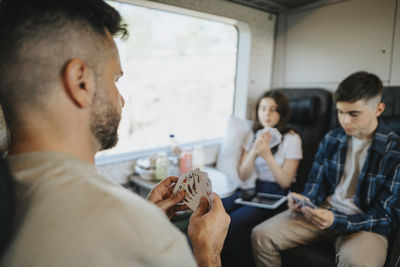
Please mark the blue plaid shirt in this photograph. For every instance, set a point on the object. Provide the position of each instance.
(377, 193)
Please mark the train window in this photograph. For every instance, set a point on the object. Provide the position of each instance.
(179, 78)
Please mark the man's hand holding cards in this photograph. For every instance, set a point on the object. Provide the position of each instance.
(303, 202)
(320, 217)
(195, 184)
(297, 202)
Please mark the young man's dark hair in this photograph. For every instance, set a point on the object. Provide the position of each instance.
(359, 85)
(43, 35)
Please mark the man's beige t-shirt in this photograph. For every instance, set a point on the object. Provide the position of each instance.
(69, 215)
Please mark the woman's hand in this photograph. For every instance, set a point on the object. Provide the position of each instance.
(261, 144)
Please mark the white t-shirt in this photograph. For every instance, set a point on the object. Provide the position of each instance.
(69, 215)
(289, 148)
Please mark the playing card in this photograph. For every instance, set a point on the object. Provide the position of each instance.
(276, 136)
(303, 202)
(196, 184)
(205, 185)
(308, 204)
(188, 182)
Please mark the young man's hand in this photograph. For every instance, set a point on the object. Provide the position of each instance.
(162, 196)
(207, 231)
(293, 206)
(322, 218)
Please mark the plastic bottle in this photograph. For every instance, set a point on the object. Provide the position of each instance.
(198, 157)
(174, 146)
(161, 166)
(185, 161)
(173, 157)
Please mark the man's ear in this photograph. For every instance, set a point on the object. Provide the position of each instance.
(380, 108)
(79, 82)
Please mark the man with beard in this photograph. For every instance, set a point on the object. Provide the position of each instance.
(58, 71)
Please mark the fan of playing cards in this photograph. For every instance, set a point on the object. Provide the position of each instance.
(196, 184)
(303, 202)
(276, 136)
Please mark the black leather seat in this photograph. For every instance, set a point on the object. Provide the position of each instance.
(311, 108)
(391, 115)
(311, 113)
(7, 205)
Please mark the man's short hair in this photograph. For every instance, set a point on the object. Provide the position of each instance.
(357, 86)
(39, 37)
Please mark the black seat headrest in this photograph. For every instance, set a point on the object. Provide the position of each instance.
(391, 115)
(304, 110)
(7, 205)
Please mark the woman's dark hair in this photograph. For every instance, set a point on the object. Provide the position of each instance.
(283, 110)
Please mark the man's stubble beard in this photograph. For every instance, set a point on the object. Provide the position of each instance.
(104, 120)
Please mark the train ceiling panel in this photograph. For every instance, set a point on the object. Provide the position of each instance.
(274, 6)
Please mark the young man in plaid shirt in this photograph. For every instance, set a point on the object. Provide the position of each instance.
(354, 182)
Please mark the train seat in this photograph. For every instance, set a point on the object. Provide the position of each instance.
(7, 205)
(310, 109)
(391, 115)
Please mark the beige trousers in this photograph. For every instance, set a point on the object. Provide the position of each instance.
(288, 230)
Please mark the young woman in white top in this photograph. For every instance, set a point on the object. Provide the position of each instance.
(275, 167)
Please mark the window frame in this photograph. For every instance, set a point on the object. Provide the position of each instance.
(241, 75)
